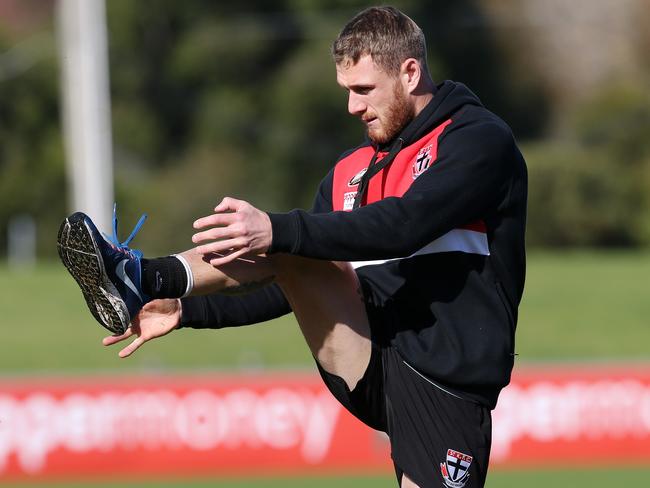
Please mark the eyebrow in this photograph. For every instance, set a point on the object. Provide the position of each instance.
(358, 86)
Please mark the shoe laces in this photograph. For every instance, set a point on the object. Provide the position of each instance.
(124, 246)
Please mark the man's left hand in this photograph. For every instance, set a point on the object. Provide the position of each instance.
(235, 229)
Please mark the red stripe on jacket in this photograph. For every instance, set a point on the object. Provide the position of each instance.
(393, 181)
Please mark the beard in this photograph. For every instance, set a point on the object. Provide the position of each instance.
(399, 113)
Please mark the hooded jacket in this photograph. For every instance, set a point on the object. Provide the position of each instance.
(434, 226)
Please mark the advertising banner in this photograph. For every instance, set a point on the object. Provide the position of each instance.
(289, 424)
(180, 425)
(572, 416)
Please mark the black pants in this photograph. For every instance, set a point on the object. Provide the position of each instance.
(437, 439)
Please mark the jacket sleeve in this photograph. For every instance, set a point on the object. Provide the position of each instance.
(470, 176)
(218, 311)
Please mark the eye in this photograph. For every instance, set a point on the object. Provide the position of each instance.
(362, 90)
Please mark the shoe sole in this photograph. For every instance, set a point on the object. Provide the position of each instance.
(80, 255)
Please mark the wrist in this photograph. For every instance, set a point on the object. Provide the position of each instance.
(283, 231)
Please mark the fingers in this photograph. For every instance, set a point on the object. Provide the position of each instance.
(219, 233)
(215, 220)
(110, 340)
(128, 350)
(229, 204)
(237, 228)
(131, 348)
(225, 214)
(222, 259)
(223, 231)
(224, 247)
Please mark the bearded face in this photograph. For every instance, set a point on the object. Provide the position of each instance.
(393, 119)
(378, 99)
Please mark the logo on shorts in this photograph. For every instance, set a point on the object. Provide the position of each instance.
(455, 469)
(422, 161)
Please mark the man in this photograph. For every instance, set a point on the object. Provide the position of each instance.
(405, 276)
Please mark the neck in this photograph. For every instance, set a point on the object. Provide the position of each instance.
(423, 95)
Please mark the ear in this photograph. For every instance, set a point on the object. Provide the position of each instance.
(411, 73)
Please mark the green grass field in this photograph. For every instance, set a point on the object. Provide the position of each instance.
(578, 306)
(579, 478)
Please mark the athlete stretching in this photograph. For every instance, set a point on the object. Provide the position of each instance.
(405, 276)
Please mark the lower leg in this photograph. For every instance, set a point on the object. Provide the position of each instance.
(325, 297)
(240, 276)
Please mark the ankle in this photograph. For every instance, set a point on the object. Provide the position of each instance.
(166, 277)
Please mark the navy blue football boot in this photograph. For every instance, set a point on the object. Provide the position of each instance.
(108, 271)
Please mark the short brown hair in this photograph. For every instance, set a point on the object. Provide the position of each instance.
(388, 35)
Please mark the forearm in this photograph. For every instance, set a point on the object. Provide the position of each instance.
(348, 236)
(218, 311)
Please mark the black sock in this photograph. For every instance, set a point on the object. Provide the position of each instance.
(163, 277)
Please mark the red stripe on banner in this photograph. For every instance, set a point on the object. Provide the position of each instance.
(198, 426)
(565, 416)
(289, 424)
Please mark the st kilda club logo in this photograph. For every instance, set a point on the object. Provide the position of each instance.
(455, 469)
(422, 161)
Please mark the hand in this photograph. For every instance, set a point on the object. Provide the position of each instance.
(156, 319)
(235, 229)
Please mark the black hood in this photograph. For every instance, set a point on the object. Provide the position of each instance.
(449, 97)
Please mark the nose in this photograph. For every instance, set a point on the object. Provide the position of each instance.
(356, 106)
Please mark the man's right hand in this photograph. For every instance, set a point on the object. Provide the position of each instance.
(156, 319)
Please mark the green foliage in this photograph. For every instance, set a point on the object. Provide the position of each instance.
(576, 198)
(31, 150)
(213, 100)
(591, 188)
(239, 98)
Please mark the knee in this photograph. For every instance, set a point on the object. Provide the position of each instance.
(408, 482)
